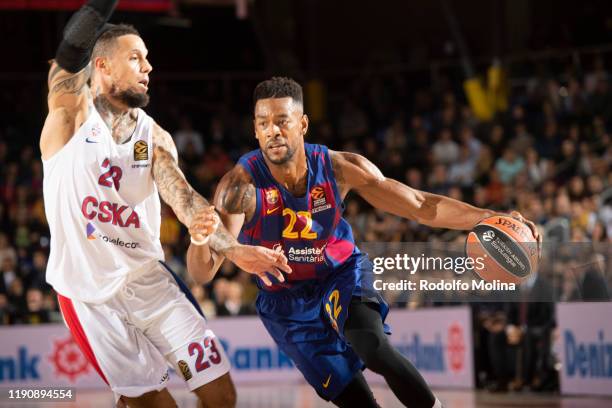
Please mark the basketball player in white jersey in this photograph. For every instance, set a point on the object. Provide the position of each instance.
(106, 162)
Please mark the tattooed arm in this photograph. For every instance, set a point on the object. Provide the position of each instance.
(69, 73)
(191, 209)
(235, 201)
(68, 107)
(174, 189)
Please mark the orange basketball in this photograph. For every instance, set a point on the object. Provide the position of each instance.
(506, 247)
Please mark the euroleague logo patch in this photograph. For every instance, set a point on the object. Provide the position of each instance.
(317, 193)
(141, 151)
(487, 236)
(319, 199)
(185, 371)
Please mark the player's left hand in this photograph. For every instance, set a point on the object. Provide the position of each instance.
(204, 224)
(260, 261)
(534, 229)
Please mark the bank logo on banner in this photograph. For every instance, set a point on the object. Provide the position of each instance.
(438, 343)
(456, 347)
(68, 360)
(586, 348)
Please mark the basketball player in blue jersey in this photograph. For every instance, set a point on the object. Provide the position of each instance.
(287, 195)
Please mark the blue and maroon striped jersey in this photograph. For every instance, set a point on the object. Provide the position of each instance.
(310, 229)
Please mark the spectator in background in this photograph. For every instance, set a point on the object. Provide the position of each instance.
(217, 161)
(174, 262)
(208, 307)
(462, 172)
(35, 275)
(353, 122)
(232, 304)
(5, 309)
(473, 144)
(496, 191)
(522, 140)
(535, 168)
(187, 139)
(35, 312)
(548, 145)
(530, 325)
(590, 282)
(509, 166)
(16, 296)
(439, 182)
(445, 150)
(497, 140)
(7, 273)
(6, 250)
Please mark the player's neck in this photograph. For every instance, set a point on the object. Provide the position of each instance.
(292, 175)
(119, 118)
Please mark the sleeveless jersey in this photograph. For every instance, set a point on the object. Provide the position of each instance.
(103, 210)
(315, 238)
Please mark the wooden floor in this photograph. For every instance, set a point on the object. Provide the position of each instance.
(302, 396)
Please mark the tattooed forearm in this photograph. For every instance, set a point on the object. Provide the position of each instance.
(237, 196)
(62, 82)
(173, 188)
(222, 240)
(178, 194)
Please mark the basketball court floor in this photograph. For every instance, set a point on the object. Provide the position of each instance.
(301, 396)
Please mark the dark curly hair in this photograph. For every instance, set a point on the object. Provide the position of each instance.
(278, 87)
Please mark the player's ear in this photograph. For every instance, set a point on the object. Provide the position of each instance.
(304, 124)
(102, 64)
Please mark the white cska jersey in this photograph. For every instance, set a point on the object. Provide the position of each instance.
(103, 210)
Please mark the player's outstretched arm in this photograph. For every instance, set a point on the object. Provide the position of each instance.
(68, 75)
(355, 172)
(193, 211)
(187, 204)
(235, 201)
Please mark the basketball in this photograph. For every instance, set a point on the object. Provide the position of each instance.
(507, 248)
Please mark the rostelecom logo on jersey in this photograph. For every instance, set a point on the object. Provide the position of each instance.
(141, 150)
(89, 231)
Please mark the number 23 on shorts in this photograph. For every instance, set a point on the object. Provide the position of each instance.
(203, 355)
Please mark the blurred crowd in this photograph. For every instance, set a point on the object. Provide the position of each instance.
(548, 156)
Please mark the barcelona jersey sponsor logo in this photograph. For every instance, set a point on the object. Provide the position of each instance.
(272, 196)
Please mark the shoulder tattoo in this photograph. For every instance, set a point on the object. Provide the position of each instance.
(238, 193)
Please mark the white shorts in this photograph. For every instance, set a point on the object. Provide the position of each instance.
(131, 338)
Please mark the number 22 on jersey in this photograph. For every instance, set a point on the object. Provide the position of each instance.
(306, 232)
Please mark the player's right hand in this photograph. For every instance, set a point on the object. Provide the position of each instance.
(204, 223)
(259, 261)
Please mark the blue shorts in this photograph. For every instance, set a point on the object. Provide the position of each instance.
(307, 323)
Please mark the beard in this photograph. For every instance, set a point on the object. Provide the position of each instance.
(130, 98)
(282, 160)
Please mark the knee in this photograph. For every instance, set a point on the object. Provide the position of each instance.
(370, 348)
(221, 393)
(150, 399)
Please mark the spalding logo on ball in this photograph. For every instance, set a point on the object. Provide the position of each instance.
(507, 247)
